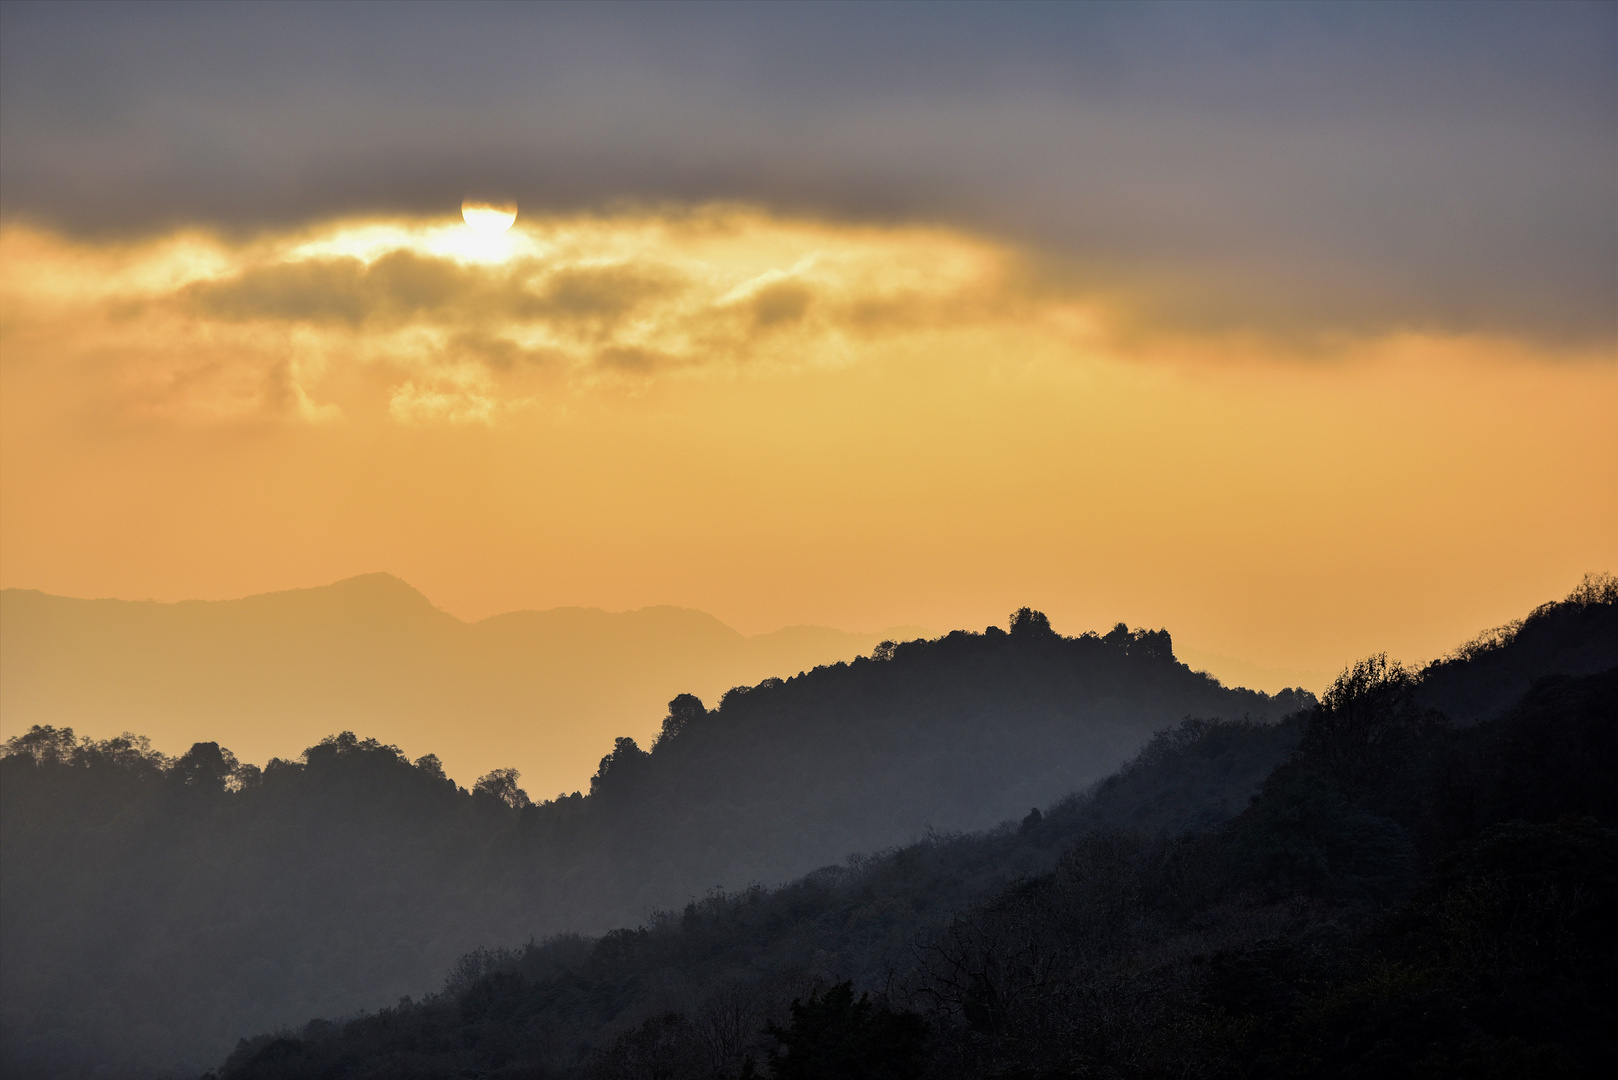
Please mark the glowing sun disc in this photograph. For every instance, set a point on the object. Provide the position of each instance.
(489, 218)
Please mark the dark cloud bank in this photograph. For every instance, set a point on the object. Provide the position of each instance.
(1356, 167)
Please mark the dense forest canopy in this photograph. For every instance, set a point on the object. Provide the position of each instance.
(157, 909)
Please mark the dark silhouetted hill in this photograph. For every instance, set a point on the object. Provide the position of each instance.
(1575, 636)
(949, 735)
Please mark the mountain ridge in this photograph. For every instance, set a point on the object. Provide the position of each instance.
(273, 672)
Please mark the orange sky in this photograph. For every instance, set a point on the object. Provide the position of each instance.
(776, 421)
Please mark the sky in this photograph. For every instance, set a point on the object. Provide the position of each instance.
(1290, 328)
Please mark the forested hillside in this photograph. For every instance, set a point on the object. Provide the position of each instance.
(156, 909)
(1482, 678)
(1366, 890)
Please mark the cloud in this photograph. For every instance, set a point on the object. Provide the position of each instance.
(602, 296)
(399, 286)
(1321, 169)
(422, 320)
(781, 303)
(442, 402)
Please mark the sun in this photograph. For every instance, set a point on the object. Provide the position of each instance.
(491, 218)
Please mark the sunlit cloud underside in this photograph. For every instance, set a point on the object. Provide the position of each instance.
(439, 323)
(461, 326)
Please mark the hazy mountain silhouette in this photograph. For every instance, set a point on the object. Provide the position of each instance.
(270, 674)
(154, 909)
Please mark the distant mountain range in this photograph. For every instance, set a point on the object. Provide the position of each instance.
(268, 675)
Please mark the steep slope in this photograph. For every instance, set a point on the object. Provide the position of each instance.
(271, 674)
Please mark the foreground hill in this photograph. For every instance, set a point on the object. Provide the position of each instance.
(270, 674)
(1401, 897)
(1577, 636)
(154, 909)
